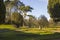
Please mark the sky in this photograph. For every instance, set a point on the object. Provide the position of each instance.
(39, 7)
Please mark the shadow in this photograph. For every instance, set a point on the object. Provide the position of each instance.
(7, 34)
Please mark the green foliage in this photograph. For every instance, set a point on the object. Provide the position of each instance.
(25, 8)
(54, 9)
(9, 6)
(2, 12)
(17, 18)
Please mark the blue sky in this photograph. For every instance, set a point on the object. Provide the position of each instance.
(40, 7)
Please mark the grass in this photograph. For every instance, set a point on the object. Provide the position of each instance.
(36, 31)
(8, 32)
(11, 27)
(42, 31)
(18, 35)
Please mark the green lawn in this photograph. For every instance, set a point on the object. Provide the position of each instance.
(11, 27)
(8, 32)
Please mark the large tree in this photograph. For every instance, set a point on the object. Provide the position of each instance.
(2, 12)
(15, 4)
(54, 9)
(24, 10)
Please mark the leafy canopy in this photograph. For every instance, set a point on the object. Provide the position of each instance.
(54, 9)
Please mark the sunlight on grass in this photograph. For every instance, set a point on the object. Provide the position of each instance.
(37, 31)
(8, 32)
(7, 27)
(42, 31)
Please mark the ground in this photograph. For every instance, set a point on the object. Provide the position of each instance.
(8, 32)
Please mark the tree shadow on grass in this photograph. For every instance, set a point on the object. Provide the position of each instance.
(6, 34)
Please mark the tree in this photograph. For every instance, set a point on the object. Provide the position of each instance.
(51, 23)
(25, 9)
(20, 6)
(2, 12)
(54, 9)
(26, 22)
(17, 19)
(32, 21)
(43, 22)
(15, 4)
(8, 11)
